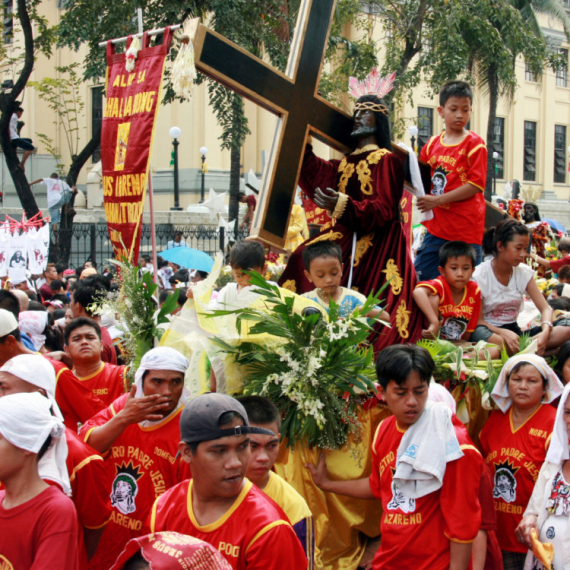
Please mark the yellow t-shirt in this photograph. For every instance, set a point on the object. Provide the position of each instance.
(298, 513)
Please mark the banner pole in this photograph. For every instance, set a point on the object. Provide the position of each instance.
(152, 229)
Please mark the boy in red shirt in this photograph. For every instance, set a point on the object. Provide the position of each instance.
(424, 525)
(556, 264)
(458, 161)
(38, 523)
(451, 303)
(83, 343)
(219, 505)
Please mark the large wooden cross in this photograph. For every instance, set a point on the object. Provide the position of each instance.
(292, 96)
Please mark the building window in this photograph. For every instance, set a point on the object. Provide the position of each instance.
(562, 74)
(7, 21)
(560, 154)
(499, 146)
(96, 117)
(529, 151)
(528, 74)
(425, 126)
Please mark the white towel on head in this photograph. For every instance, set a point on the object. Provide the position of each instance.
(559, 449)
(26, 422)
(438, 393)
(162, 358)
(34, 323)
(426, 448)
(500, 393)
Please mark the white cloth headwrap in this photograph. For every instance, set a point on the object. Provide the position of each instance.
(500, 393)
(438, 393)
(26, 421)
(162, 358)
(559, 448)
(33, 323)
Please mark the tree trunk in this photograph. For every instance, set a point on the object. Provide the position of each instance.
(493, 82)
(235, 156)
(6, 107)
(61, 251)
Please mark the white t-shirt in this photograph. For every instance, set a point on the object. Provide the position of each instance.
(55, 187)
(501, 305)
(230, 299)
(14, 127)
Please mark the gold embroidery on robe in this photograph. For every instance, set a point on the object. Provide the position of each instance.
(331, 236)
(374, 157)
(364, 177)
(347, 170)
(392, 272)
(403, 319)
(362, 246)
(290, 285)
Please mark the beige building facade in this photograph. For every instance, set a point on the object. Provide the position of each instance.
(532, 133)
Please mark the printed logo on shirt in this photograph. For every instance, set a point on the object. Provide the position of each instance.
(399, 500)
(5, 564)
(125, 488)
(505, 481)
(453, 328)
(439, 181)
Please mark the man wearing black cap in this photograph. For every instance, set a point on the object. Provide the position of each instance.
(219, 505)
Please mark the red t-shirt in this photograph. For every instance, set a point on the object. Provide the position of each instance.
(76, 401)
(251, 201)
(457, 319)
(453, 166)
(40, 534)
(108, 383)
(254, 533)
(515, 457)
(416, 532)
(557, 264)
(141, 465)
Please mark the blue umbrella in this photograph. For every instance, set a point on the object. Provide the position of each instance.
(189, 258)
(555, 225)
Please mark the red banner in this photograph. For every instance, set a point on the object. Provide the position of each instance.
(133, 99)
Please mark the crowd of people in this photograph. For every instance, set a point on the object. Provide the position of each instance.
(100, 473)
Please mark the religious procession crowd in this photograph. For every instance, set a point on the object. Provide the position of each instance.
(108, 466)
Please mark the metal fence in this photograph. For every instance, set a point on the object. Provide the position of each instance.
(90, 242)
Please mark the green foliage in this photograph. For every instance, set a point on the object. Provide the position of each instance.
(136, 302)
(62, 96)
(316, 372)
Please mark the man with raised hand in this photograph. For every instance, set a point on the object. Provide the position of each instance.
(138, 435)
(219, 505)
(86, 477)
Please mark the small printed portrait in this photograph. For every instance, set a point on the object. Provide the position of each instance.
(453, 329)
(18, 260)
(400, 501)
(125, 489)
(505, 485)
(439, 182)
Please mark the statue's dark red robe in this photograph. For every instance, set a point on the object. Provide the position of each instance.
(373, 180)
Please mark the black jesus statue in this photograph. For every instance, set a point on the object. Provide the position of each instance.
(362, 192)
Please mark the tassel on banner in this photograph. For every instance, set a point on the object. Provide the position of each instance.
(184, 69)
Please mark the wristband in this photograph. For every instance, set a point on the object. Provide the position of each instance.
(547, 323)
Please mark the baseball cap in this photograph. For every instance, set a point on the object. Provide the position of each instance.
(200, 417)
(8, 322)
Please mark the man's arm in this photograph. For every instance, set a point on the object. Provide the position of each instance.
(459, 555)
(358, 488)
(540, 260)
(136, 410)
(428, 202)
(36, 181)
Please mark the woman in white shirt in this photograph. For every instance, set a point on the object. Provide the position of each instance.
(503, 281)
(548, 510)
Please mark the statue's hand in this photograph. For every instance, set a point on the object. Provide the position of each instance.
(326, 199)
